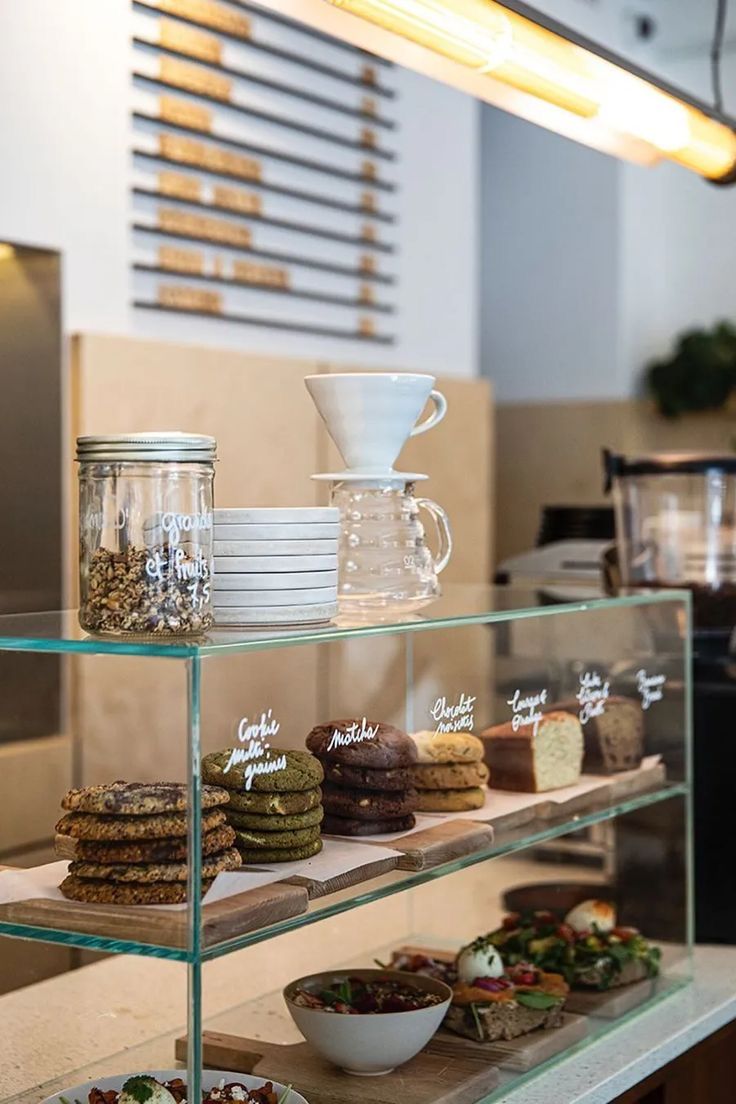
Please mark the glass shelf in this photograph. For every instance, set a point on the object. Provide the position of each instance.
(59, 632)
(531, 834)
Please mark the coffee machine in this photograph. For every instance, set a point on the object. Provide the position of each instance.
(676, 527)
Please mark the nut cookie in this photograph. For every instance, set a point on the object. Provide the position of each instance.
(259, 855)
(368, 804)
(347, 826)
(161, 826)
(449, 776)
(99, 892)
(286, 803)
(366, 778)
(447, 747)
(302, 771)
(363, 743)
(298, 837)
(260, 822)
(144, 873)
(138, 798)
(450, 801)
(147, 851)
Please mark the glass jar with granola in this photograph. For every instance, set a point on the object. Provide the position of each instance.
(145, 533)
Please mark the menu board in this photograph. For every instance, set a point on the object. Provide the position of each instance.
(264, 171)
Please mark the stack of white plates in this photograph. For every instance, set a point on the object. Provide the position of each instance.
(276, 566)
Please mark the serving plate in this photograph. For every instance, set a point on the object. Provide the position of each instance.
(210, 1080)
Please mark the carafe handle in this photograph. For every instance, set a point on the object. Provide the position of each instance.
(442, 526)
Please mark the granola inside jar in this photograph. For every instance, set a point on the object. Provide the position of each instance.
(145, 533)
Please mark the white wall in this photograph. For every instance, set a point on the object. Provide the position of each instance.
(66, 94)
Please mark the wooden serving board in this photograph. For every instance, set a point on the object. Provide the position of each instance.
(462, 1078)
(613, 789)
(612, 1003)
(448, 840)
(348, 878)
(221, 920)
(520, 1054)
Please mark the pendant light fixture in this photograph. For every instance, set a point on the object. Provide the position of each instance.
(510, 55)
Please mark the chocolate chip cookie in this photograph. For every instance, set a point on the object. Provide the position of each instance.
(160, 826)
(450, 801)
(448, 747)
(100, 892)
(147, 851)
(145, 873)
(138, 798)
(362, 743)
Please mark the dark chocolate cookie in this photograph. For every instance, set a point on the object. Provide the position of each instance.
(368, 804)
(346, 826)
(363, 743)
(365, 778)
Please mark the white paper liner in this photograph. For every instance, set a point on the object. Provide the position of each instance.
(42, 883)
(499, 803)
(338, 856)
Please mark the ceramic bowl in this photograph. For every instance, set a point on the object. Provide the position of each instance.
(368, 1044)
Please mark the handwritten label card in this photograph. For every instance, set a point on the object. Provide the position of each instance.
(356, 733)
(454, 716)
(592, 695)
(526, 710)
(651, 687)
(254, 752)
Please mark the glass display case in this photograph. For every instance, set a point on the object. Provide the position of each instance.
(187, 910)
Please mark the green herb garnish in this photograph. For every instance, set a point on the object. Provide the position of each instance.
(537, 999)
(140, 1088)
(478, 1024)
(381, 965)
(285, 1095)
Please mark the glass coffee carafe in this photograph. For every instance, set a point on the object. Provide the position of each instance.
(385, 561)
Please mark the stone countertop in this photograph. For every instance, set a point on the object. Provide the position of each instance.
(140, 1024)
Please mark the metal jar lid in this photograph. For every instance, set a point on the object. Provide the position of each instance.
(183, 447)
(616, 466)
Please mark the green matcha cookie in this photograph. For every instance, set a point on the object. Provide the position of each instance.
(275, 841)
(272, 772)
(280, 804)
(260, 822)
(258, 856)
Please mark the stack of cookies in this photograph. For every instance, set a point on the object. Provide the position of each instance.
(368, 787)
(128, 842)
(450, 775)
(275, 813)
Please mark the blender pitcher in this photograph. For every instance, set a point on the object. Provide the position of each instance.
(384, 560)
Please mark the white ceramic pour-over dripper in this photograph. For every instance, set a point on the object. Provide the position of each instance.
(370, 415)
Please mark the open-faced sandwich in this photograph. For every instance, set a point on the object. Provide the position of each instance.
(588, 948)
(490, 1001)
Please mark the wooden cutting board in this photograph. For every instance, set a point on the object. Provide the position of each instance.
(462, 1078)
(613, 1003)
(362, 873)
(520, 1054)
(243, 912)
(446, 841)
